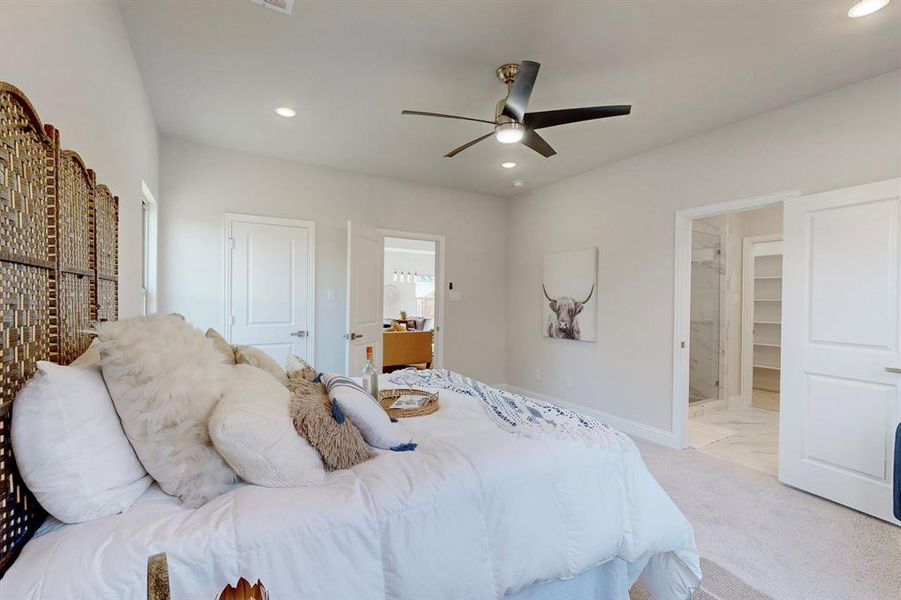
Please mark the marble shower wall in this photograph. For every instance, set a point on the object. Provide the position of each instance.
(707, 355)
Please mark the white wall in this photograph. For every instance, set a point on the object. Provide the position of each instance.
(847, 137)
(74, 62)
(200, 183)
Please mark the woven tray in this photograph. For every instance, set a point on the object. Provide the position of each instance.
(387, 398)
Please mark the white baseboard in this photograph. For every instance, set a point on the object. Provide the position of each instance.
(627, 426)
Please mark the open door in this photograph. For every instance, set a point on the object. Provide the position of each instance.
(841, 362)
(365, 256)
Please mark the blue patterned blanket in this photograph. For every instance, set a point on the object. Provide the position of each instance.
(513, 412)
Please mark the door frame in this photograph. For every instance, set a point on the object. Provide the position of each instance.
(682, 295)
(748, 290)
(440, 253)
(228, 245)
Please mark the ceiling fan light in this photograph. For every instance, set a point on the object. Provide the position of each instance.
(866, 7)
(509, 133)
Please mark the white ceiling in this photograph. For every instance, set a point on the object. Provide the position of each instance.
(216, 70)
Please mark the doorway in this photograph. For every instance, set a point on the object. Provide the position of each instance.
(708, 325)
(411, 303)
(270, 285)
(395, 297)
(734, 351)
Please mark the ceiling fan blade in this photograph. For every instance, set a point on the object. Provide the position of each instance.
(457, 151)
(532, 140)
(518, 98)
(552, 118)
(443, 116)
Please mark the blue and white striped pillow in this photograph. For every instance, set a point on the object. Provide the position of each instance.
(366, 414)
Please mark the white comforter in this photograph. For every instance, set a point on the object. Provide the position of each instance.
(474, 513)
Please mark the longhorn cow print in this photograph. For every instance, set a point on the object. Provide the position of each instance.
(563, 323)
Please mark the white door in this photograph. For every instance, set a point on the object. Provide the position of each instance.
(271, 285)
(840, 334)
(365, 256)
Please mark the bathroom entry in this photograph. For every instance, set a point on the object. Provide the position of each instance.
(735, 337)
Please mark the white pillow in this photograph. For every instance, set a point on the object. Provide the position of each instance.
(366, 413)
(70, 447)
(252, 429)
(165, 377)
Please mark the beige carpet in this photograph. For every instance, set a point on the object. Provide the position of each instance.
(783, 542)
(718, 584)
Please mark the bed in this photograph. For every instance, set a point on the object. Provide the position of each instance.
(474, 512)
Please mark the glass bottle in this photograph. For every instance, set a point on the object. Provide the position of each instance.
(370, 375)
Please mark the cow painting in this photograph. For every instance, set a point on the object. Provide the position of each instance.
(569, 295)
(563, 322)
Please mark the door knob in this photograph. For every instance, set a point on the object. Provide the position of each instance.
(893, 369)
(352, 336)
(300, 333)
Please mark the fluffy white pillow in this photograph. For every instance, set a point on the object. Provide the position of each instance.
(165, 377)
(366, 413)
(252, 429)
(70, 447)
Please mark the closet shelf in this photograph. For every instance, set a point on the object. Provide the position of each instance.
(766, 367)
(767, 299)
(768, 322)
(768, 277)
(767, 345)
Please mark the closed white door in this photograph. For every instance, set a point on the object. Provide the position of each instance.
(365, 257)
(271, 286)
(840, 333)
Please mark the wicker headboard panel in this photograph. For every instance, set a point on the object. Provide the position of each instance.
(50, 285)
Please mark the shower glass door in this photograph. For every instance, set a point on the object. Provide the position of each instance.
(706, 277)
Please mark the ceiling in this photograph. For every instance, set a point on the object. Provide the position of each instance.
(215, 71)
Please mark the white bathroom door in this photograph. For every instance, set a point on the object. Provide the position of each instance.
(840, 333)
(271, 285)
(365, 257)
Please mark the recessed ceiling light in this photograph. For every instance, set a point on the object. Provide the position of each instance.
(519, 182)
(508, 165)
(284, 111)
(866, 7)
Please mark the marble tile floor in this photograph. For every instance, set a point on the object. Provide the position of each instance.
(755, 443)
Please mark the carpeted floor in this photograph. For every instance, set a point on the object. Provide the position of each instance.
(788, 544)
(718, 584)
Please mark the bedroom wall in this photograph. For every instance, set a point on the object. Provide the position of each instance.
(199, 184)
(74, 62)
(847, 137)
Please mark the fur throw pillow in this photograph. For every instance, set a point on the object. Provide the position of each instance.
(251, 428)
(336, 439)
(248, 355)
(165, 377)
(222, 345)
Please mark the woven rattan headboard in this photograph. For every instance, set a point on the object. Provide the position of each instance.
(58, 257)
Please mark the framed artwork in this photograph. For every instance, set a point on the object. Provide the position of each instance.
(568, 295)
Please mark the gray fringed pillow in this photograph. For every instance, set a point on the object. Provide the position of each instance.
(337, 440)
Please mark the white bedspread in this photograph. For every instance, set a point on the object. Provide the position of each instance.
(474, 513)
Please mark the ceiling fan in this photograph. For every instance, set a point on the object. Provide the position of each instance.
(513, 124)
